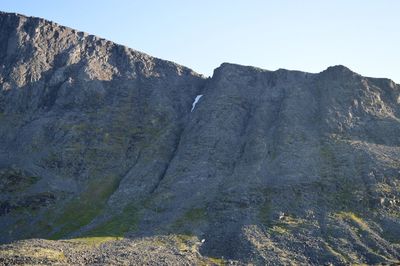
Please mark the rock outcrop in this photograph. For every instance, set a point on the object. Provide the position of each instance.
(267, 167)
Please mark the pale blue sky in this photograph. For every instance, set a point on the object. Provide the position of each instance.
(307, 35)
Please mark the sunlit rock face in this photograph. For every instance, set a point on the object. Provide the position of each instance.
(268, 167)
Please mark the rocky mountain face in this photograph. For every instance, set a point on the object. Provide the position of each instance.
(101, 142)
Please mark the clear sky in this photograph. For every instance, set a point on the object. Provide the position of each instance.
(307, 35)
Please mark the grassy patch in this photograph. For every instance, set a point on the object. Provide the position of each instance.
(353, 218)
(277, 229)
(186, 243)
(215, 261)
(118, 225)
(287, 224)
(34, 252)
(264, 213)
(196, 214)
(331, 251)
(94, 241)
(192, 216)
(81, 211)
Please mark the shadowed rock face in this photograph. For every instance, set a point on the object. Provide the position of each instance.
(270, 167)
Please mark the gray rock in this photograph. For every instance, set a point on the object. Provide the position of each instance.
(98, 140)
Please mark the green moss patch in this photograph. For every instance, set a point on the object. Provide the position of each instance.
(94, 241)
(352, 217)
(88, 205)
(265, 213)
(118, 225)
(191, 216)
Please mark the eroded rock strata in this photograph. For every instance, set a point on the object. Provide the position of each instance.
(103, 146)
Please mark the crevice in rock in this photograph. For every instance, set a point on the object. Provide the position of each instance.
(201, 91)
(172, 156)
(243, 142)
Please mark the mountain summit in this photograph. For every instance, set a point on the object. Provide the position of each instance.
(133, 159)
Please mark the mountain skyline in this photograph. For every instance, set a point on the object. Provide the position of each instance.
(307, 36)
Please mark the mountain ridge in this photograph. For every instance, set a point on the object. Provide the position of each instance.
(81, 34)
(85, 34)
(99, 142)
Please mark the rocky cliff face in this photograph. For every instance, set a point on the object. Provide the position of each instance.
(269, 167)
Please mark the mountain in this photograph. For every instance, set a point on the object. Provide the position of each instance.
(111, 156)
